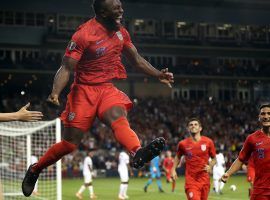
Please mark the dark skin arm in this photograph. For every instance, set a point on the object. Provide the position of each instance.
(61, 79)
(137, 61)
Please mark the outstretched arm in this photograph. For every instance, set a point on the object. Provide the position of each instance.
(140, 63)
(61, 79)
(237, 164)
(22, 115)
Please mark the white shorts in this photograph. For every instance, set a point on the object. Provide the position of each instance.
(218, 172)
(87, 177)
(123, 175)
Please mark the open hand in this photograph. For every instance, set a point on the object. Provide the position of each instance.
(30, 116)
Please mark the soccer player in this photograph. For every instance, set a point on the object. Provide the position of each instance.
(87, 174)
(197, 150)
(22, 115)
(218, 171)
(257, 146)
(154, 173)
(167, 166)
(123, 168)
(94, 53)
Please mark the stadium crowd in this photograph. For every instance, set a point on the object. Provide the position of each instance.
(227, 123)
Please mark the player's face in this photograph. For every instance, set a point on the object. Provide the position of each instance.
(113, 14)
(194, 127)
(264, 117)
(169, 154)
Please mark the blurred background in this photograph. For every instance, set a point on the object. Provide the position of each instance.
(218, 50)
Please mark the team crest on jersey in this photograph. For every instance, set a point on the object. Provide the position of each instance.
(100, 51)
(72, 45)
(71, 116)
(203, 147)
(119, 35)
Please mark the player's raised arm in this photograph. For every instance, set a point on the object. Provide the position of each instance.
(61, 79)
(22, 115)
(143, 65)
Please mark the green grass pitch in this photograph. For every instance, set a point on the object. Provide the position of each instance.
(107, 189)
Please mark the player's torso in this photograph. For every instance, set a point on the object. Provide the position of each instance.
(168, 163)
(220, 160)
(87, 162)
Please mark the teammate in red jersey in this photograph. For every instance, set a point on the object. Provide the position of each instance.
(257, 145)
(94, 53)
(197, 150)
(167, 166)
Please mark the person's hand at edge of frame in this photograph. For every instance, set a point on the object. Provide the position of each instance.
(166, 77)
(53, 101)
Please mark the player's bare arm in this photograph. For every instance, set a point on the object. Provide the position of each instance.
(140, 63)
(22, 115)
(175, 165)
(208, 168)
(61, 79)
(237, 164)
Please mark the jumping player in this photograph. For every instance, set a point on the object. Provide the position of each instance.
(94, 53)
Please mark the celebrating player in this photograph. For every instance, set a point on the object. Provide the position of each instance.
(123, 168)
(218, 171)
(154, 173)
(167, 166)
(94, 53)
(87, 174)
(197, 150)
(256, 146)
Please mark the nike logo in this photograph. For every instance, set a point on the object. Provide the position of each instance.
(100, 41)
(258, 143)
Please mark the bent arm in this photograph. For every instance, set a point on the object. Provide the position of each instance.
(62, 75)
(237, 164)
(137, 61)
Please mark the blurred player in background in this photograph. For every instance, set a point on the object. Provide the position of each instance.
(94, 53)
(167, 166)
(88, 177)
(123, 169)
(257, 146)
(218, 171)
(155, 174)
(21, 115)
(197, 150)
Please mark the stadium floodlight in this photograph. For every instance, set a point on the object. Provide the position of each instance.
(21, 141)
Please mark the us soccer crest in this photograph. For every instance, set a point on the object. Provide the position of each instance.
(71, 116)
(119, 35)
(203, 147)
(72, 45)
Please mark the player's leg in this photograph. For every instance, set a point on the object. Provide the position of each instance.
(159, 181)
(113, 111)
(173, 185)
(124, 184)
(150, 180)
(193, 194)
(76, 121)
(205, 192)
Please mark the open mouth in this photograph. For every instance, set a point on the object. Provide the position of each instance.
(118, 20)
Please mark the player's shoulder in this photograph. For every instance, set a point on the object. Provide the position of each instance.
(87, 29)
(208, 139)
(255, 135)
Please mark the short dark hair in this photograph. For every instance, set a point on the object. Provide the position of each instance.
(98, 5)
(194, 119)
(264, 105)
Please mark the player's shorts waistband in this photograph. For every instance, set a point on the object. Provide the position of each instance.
(94, 84)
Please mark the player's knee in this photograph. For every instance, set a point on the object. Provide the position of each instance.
(88, 184)
(114, 114)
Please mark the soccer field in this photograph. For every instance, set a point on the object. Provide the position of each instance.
(107, 189)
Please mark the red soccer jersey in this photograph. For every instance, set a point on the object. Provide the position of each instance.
(258, 144)
(168, 163)
(98, 52)
(197, 155)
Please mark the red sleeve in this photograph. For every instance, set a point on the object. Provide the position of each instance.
(212, 149)
(246, 151)
(77, 45)
(180, 150)
(127, 40)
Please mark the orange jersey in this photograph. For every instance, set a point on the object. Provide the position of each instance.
(257, 145)
(197, 156)
(98, 52)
